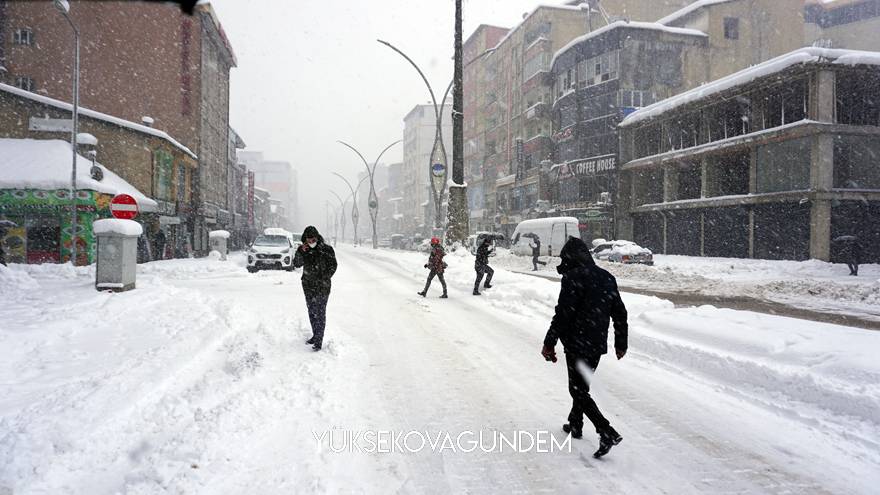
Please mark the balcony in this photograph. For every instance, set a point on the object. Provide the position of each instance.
(539, 110)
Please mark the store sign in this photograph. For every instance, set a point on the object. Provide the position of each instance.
(588, 168)
(45, 124)
(564, 134)
(166, 208)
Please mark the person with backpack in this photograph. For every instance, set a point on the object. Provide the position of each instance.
(437, 266)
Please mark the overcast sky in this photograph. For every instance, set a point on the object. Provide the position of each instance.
(310, 72)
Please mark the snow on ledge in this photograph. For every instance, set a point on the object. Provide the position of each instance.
(699, 4)
(117, 226)
(745, 76)
(655, 26)
(219, 234)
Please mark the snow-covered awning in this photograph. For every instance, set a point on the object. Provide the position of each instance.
(46, 163)
(693, 7)
(745, 76)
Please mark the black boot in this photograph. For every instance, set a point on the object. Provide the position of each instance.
(444, 296)
(607, 440)
(575, 431)
(422, 293)
(310, 341)
(316, 347)
(476, 292)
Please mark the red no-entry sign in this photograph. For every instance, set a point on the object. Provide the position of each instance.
(124, 207)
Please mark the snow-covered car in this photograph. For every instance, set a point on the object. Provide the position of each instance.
(424, 246)
(623, 252)
(270, 251)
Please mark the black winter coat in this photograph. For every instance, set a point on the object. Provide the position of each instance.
(319, 265)
(482, 260)
(536, 248)
(588, 300)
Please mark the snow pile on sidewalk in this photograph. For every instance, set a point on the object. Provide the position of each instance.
(812, 284)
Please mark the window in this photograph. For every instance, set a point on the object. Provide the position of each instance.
(784, 166)
(25, 83)
(731, 28)
(23, 37)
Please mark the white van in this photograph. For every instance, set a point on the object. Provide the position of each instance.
(552, 231)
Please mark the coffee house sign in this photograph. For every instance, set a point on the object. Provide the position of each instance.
(588, 167)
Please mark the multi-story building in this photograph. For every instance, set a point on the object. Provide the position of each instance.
(419, 132)
(237, 190)
(277, 177)
(848, 24)
(599, 78)
(181, 83)
(148, 159)
(486, 37)
(774, 161)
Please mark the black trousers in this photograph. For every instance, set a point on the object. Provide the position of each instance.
(431, 277)
(536, 262)
(579, 388)
(488, 271)
(317, 304)
(853, 267)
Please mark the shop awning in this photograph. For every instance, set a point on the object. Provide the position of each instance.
(46, 164)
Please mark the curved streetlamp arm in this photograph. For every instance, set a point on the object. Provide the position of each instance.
(382, 153)
(352, 148)
(433, 99)
(341, 202)
(347, 183)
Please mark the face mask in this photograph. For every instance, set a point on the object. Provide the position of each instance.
(313, 244)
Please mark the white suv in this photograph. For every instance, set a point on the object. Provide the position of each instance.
(270, 251)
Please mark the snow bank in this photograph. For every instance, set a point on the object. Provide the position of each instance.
(117, 226)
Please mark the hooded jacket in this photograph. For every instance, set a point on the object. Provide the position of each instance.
(435, 259)
(319, 264)
(482, 259)
(588, 300)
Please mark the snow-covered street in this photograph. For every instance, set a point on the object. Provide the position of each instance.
(198, 381)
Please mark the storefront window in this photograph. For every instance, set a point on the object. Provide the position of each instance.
(162, 175)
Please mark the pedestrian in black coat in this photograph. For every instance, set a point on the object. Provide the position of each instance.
(535, 244)
(437, 266)
(851, 252)
(481, 265)
(588, 300)
(319, 264)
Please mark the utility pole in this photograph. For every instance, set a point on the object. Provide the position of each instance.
(458, 211)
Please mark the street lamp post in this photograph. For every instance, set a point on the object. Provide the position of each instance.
(341, 212)
(437, 167)
(354, 208)
(373, 198)
(64, 7)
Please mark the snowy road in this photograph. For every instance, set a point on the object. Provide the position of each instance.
(198, 382)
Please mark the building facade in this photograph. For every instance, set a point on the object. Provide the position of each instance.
(598, 79)
(181, 83)
(772, 162)
(279, 179)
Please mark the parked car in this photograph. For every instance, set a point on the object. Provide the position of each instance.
(553, 232)
(622, 252)
(271, 251)
(385, 242)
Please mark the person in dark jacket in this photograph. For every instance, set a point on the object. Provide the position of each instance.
(535, 244)
(851, 252)
(437, 266)
(159, 243)
(481, 265)
(319, 264)
(588, 300)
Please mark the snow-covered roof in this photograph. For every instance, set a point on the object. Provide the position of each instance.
(96, 115)
(526, 17)
(219, 234)
(745, 76)
(655, 26)
(45, 164)
(699, 4)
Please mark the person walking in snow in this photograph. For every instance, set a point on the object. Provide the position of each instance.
(319, 264)
(535, 244)
(588, 300)
(437, 266)
(851, 252)
(481, 265)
